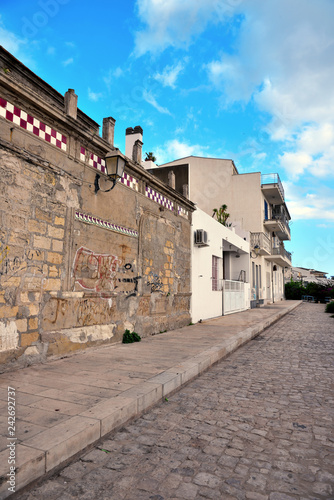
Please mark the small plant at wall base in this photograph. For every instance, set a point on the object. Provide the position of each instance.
(330, 307)
(130, 337)
(222, 215)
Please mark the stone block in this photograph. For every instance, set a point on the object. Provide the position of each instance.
(42, 215)
(22, 325)
(170, 382)
(52, 284)
(28, 338)
(36, 226)
(42, 242)
(33, 323)
(64, 440)
(57, 245)
(113, 412)
(56, 232)
(59, 221)
(54, 258)
(147, 395)
(30, 465)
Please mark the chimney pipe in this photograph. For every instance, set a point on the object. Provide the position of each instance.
(108, 129)
(133, 150)
(71, 103)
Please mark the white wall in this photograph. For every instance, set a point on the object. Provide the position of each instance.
(207, 303)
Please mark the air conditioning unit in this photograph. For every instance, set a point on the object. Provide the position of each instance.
(201, 237)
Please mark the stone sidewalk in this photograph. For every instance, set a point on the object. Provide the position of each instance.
(66, 405)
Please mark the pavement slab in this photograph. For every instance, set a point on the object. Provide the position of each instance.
(65, 405)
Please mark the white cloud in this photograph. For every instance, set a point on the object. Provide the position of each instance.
(174, 23)
(150, 99)
(94, 96)
(175, 149)
(9, 40)
(169, 75)
(303, 204)
(68, 61)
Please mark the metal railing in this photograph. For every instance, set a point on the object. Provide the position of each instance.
(272, 179)
(260, 240)
(282, 219)
(281, 251)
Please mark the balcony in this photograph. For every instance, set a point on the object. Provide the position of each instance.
(279, 224)
(280, 256)
(261, 243)
(272, 188)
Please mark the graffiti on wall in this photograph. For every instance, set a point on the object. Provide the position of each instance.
(154, 282)
(104, 274)
(18, 266)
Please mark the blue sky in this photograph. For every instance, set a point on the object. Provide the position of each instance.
(249, 80)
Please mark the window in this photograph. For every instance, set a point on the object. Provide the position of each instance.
(253, 274)
(260, 280)
(216, 285)
(265, 210)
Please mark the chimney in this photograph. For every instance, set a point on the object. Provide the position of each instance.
(171, 179)
(133, 150)
(71, 103)
(108, 129)
(137, 151)
(185, 189)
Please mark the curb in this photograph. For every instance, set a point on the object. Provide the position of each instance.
(51, 449)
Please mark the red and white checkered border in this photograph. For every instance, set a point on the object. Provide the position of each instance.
(159, 198)
(93, 160)
(129, 181)
(30, 124)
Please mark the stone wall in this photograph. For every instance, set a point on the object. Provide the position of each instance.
(77, 267)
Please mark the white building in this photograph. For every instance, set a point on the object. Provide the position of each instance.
(220, 269)
(254, 201)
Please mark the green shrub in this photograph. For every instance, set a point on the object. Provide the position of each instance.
(130, 337)
(330, 307)
(294, 290)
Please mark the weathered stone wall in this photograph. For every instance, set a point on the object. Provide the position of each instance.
(77, 267)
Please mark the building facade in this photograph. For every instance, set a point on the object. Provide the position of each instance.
(79, 263)
(220, 269)
(254, 201)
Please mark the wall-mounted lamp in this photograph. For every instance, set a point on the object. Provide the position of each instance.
(115, 163)
(256, 251)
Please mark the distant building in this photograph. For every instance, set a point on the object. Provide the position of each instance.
(306, 276)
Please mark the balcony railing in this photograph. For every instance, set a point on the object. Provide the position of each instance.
(283, 219)
(261, 241)
(273, 179)
(282, 252)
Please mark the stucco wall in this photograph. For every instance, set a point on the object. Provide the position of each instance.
(207, 303)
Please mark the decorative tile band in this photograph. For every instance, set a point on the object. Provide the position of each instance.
(88, 219)
(100, 164)
(93, 161)
(31, 124)
(129, 181)
(158, 198)
(182, 211)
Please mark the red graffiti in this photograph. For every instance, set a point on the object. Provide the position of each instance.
(96, 272)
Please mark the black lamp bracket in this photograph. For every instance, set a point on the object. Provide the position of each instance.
(97, 184)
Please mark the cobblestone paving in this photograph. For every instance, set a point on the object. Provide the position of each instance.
(257, 426)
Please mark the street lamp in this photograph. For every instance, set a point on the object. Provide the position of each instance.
(115, 163)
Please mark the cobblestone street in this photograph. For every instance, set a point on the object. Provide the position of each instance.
(257, 426)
